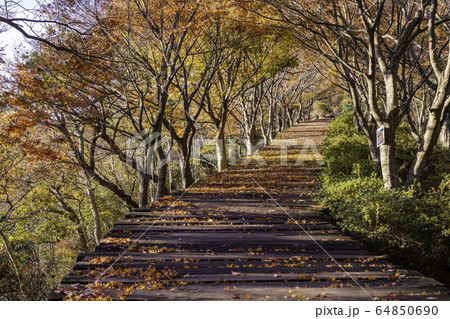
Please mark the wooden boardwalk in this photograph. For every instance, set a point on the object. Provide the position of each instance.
(253, 232)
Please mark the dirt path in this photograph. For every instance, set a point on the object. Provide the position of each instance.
(253, 232)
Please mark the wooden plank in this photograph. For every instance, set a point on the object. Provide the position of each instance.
(350, 256)
(240, 277)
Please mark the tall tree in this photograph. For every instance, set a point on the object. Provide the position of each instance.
(370, 45)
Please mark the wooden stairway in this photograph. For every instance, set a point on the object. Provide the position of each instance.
(253, 232)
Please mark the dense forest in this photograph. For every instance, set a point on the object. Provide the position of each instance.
(117, 104)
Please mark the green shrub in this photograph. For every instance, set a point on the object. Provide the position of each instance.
(413, 225)
(346, 152)
(346, 106)
(342, 125)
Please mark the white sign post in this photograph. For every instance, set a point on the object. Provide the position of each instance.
(380, 136)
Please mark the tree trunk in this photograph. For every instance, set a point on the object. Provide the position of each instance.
(184, 151)
(145, 174)
(221, 150)
(115, 189)
(162, 171)
(445, 131)
(169, 170)
(251, 140)
(161, 187)
(370, 130)
(72, 215)
(270, 124)
(283, 118)
(356, 123)
(13, 260)
(309, 110)
(374, 151)
(367, 126)
(186, 171)
(249, 146)
(429, 139)
(290, 118)
(436, 116)
(300, 117)
(265, 130)
(389, 167)
(94, 209)
(144, 186)
(280, 123)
